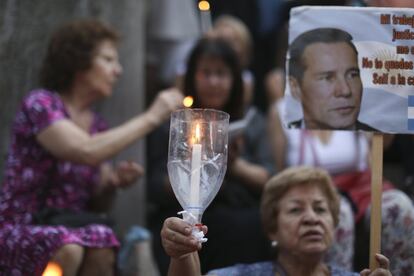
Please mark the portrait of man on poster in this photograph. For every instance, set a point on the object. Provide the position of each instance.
(324, 76)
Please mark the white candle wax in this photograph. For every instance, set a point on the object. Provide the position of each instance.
(205, 16)
(195, 176)
(205, 21)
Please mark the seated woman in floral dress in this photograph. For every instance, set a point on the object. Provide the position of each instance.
(57, 156)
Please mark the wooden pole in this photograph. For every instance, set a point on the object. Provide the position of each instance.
(376, 196)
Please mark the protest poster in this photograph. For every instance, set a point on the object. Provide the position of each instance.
(374, 93)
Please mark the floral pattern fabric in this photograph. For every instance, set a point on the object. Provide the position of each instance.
(397, 233)
(265, 269)
(35, 179)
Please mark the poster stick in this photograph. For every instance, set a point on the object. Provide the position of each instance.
(376, 195)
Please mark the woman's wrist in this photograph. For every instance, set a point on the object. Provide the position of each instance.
(183, 258)
(151, 119)
(187, 264)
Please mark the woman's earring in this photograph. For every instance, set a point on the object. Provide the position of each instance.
(274, 244)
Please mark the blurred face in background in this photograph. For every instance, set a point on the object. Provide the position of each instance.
(105, 70)
(213, 82)
(235, 41)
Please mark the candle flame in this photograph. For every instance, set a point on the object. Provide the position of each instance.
(197, 134)
(204, 5)
(52, 269)
(188, 101)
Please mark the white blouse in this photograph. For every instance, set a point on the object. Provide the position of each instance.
(345, 151)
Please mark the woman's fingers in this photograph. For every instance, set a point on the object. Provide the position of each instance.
(177, 239)
(382, 261)
(204, 228)
(128, 172)
(130, 166)
(166, 102)
(382, 270)
(177, 230)
(180, 239)
(365, 272)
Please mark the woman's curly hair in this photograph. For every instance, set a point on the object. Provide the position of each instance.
(71, 49)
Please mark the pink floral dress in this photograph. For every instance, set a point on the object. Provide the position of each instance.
(35, 179)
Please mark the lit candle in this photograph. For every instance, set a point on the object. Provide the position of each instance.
(205, 16)
(195, 170)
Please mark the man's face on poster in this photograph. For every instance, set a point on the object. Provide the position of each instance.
(331, 87)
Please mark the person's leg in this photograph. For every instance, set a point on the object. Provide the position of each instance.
(98, 261)
(397, 238)
(69, 257)
(341, 252)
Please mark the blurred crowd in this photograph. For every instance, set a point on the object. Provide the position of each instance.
(257, 31)
(237, 65)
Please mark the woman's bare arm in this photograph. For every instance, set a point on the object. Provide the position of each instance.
(66, 140)
(182, 247)
(186, 266)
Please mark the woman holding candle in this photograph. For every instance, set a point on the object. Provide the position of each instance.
(300, 209)
(214, 80)
(57, 159)
(345, 155)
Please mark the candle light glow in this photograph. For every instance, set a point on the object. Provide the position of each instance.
(188, 101)
(204, 5)
(52, 269)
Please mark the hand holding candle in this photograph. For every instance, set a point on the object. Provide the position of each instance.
(197, 160)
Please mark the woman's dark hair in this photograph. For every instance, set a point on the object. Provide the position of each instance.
(320, 35)
(216, 48)
(71, 49)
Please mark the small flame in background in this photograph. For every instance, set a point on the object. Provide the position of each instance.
(52, 269)
(204, 5)
(188, 101)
